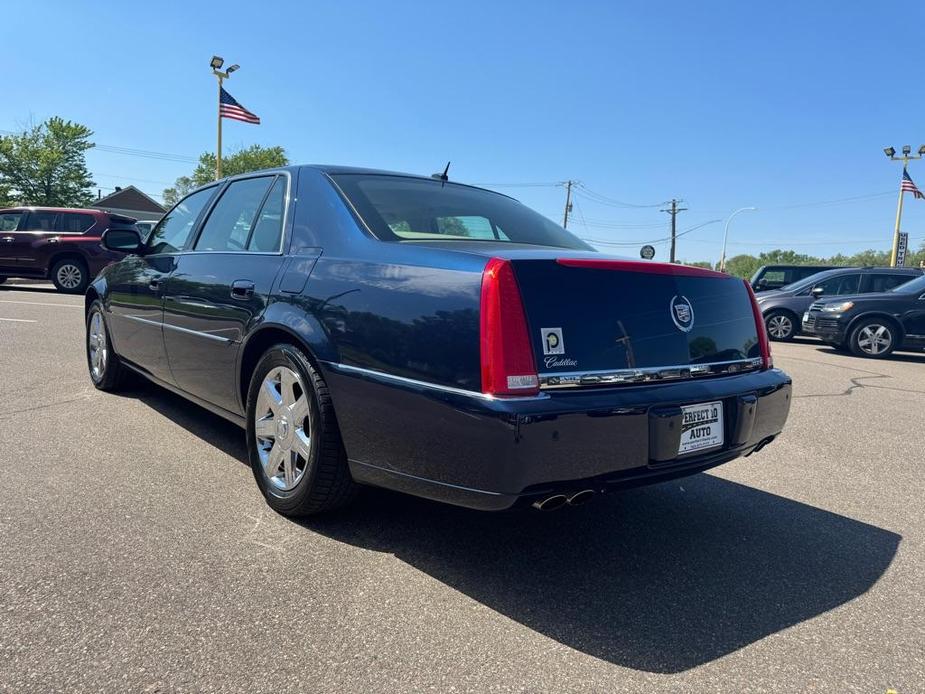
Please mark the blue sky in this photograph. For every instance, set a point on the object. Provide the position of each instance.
(721, 104)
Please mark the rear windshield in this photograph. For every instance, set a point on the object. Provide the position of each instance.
(396, 208)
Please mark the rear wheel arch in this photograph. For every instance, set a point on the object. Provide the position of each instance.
(66, 255)
(255, 347)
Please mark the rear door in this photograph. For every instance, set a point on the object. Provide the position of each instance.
(222, 285)
(11, 222)
(39, 227)
(138, 282)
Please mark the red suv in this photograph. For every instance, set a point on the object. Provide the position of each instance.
(60, 244)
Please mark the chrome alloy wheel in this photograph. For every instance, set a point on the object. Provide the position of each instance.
(69, 275)
(97, 347)
(780, 327)
(874, 339)
(282, 427)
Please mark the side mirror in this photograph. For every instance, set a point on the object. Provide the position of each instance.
(762, 283)
(122, 240)
(817, 291)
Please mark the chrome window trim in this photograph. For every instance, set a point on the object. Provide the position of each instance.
(573, 379)
(426, 384)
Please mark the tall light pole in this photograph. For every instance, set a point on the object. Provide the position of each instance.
(905, 159)
(216, 65)
(722, 260)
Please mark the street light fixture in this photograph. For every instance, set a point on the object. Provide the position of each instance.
(217, 62)
(905, 159)
(232, 69)
(722, 260)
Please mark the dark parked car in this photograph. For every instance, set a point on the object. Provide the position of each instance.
(783, 308)
(872, 325)
(61, 244)
(434, 338)
(776, 276)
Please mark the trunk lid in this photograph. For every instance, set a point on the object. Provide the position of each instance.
(599, 321)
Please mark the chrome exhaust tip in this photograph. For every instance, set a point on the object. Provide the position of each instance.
(550, 503)
(582, 497)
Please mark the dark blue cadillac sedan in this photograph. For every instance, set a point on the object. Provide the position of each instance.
(368, 327)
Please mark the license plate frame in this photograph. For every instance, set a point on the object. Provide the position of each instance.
(702, 428)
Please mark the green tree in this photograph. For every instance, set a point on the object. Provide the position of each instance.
(743, 265)
(252, 158)
(47, 165)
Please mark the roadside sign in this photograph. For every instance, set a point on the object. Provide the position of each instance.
(901, 249)
(647, 252)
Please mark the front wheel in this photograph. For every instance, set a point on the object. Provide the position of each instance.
(873, 338)
(780, 325)
(293, 440)
(70, 276)
(106, 371)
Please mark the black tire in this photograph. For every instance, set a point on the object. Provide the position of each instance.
(113, 376)
(783, 324)
(325, 483)
(869, 331)
(70, 275)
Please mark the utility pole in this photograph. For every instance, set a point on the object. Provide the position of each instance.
(216, 65)
(568, 204)
(905, 159)
(673, 211)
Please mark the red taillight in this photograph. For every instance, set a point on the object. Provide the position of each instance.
(763, 342)
(508, 367)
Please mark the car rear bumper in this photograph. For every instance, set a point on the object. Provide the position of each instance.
(491, 453)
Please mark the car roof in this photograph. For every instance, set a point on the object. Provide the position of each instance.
(40, 208)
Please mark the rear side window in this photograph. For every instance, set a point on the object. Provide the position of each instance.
(9, 221)
(75, 222)
(231, 221)
(269, 227)
(885, 282)
(775, 277)
(173, 231)
(41, 221)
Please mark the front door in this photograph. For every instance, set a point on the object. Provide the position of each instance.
(10, 223)
(222, 285)
(137, 284)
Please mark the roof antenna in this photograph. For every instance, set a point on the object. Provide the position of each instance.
(442, 176)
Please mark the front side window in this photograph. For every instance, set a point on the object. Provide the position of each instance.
(229, 225)
(41, 221)
(840, 286)
(173, 231)
(399, 208)
(9, 221)
(75, 222)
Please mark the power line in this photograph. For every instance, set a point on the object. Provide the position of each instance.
(605, 200)
(132, 152)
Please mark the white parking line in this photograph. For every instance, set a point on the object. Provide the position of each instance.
(39, 303)
(18, 320)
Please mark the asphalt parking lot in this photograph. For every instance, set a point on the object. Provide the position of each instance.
(137, 554)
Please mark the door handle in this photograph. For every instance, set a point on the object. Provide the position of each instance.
(154, 284)
(242, 289)
(8, 239)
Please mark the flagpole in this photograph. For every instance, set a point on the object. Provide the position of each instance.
(218, 151)
(899, 216)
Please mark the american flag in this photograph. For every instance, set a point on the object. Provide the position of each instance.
(229, 108)
(909, 187)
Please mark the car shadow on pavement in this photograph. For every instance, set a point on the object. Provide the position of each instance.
(908, 357)
(659, 579)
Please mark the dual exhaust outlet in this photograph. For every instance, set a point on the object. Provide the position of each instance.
(551, 503)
